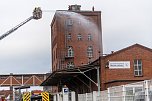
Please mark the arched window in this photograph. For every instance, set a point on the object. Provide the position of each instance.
(70, 65)
(70, 51)
(90, 51)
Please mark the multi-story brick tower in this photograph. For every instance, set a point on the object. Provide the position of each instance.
(76, 37)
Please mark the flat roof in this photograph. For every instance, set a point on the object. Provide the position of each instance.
(62, 75)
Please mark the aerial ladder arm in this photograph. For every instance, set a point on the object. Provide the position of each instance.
(37, 14)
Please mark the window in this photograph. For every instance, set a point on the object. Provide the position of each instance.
(54, 56)
(88, 21)
(137, 67)
(89, 37)
(57, 66)
(89, 61)
(18, 77)
(27, 77)
(69, 36)
(79, 22)
(70, 65)
(3, 77)
(79, 37)
(69, 22)
(90, 51)
(70, 51)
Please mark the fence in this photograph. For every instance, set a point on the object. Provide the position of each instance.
(69, 96)
(140, 91)
(94, 96)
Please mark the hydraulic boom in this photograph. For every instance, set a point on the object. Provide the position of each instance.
(37, 14)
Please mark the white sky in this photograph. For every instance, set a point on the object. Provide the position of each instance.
(28, 50)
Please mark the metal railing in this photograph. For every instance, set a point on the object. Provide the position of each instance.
(140, 91)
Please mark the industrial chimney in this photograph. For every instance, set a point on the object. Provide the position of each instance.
(74, 7)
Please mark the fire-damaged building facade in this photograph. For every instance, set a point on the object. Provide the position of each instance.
(76, 41)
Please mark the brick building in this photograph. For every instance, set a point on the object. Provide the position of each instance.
(75, 37)
(76, 42)
(76, 52)
(128, 65)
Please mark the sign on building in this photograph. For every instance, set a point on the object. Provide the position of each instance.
(119, 64)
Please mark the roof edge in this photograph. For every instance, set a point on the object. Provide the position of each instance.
(134, 45)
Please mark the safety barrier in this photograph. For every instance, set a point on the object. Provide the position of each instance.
(60, 97)
(140, 91)
(94, 96)
(26, 96)
(45, 96)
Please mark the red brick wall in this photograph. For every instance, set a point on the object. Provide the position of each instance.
(80, 47)
(112, 77)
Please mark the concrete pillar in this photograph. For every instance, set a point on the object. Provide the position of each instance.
(146, 90)
(109, 99)
(55, 97)
(11, 94)
(94, 96)
(72, 96)
(124, 93)
(86, 96)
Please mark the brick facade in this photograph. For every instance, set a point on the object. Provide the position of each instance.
(76, 39)
(115, 77)
(75, 22)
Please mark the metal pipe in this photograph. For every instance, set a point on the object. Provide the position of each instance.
(88, 77)
(98, 79)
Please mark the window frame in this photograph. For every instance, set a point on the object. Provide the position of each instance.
(70, 51)
(137, 64)
(69, 37)
(70, 64)
(69, 22)
(79, 36)
(89, 37)
(90, 51)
